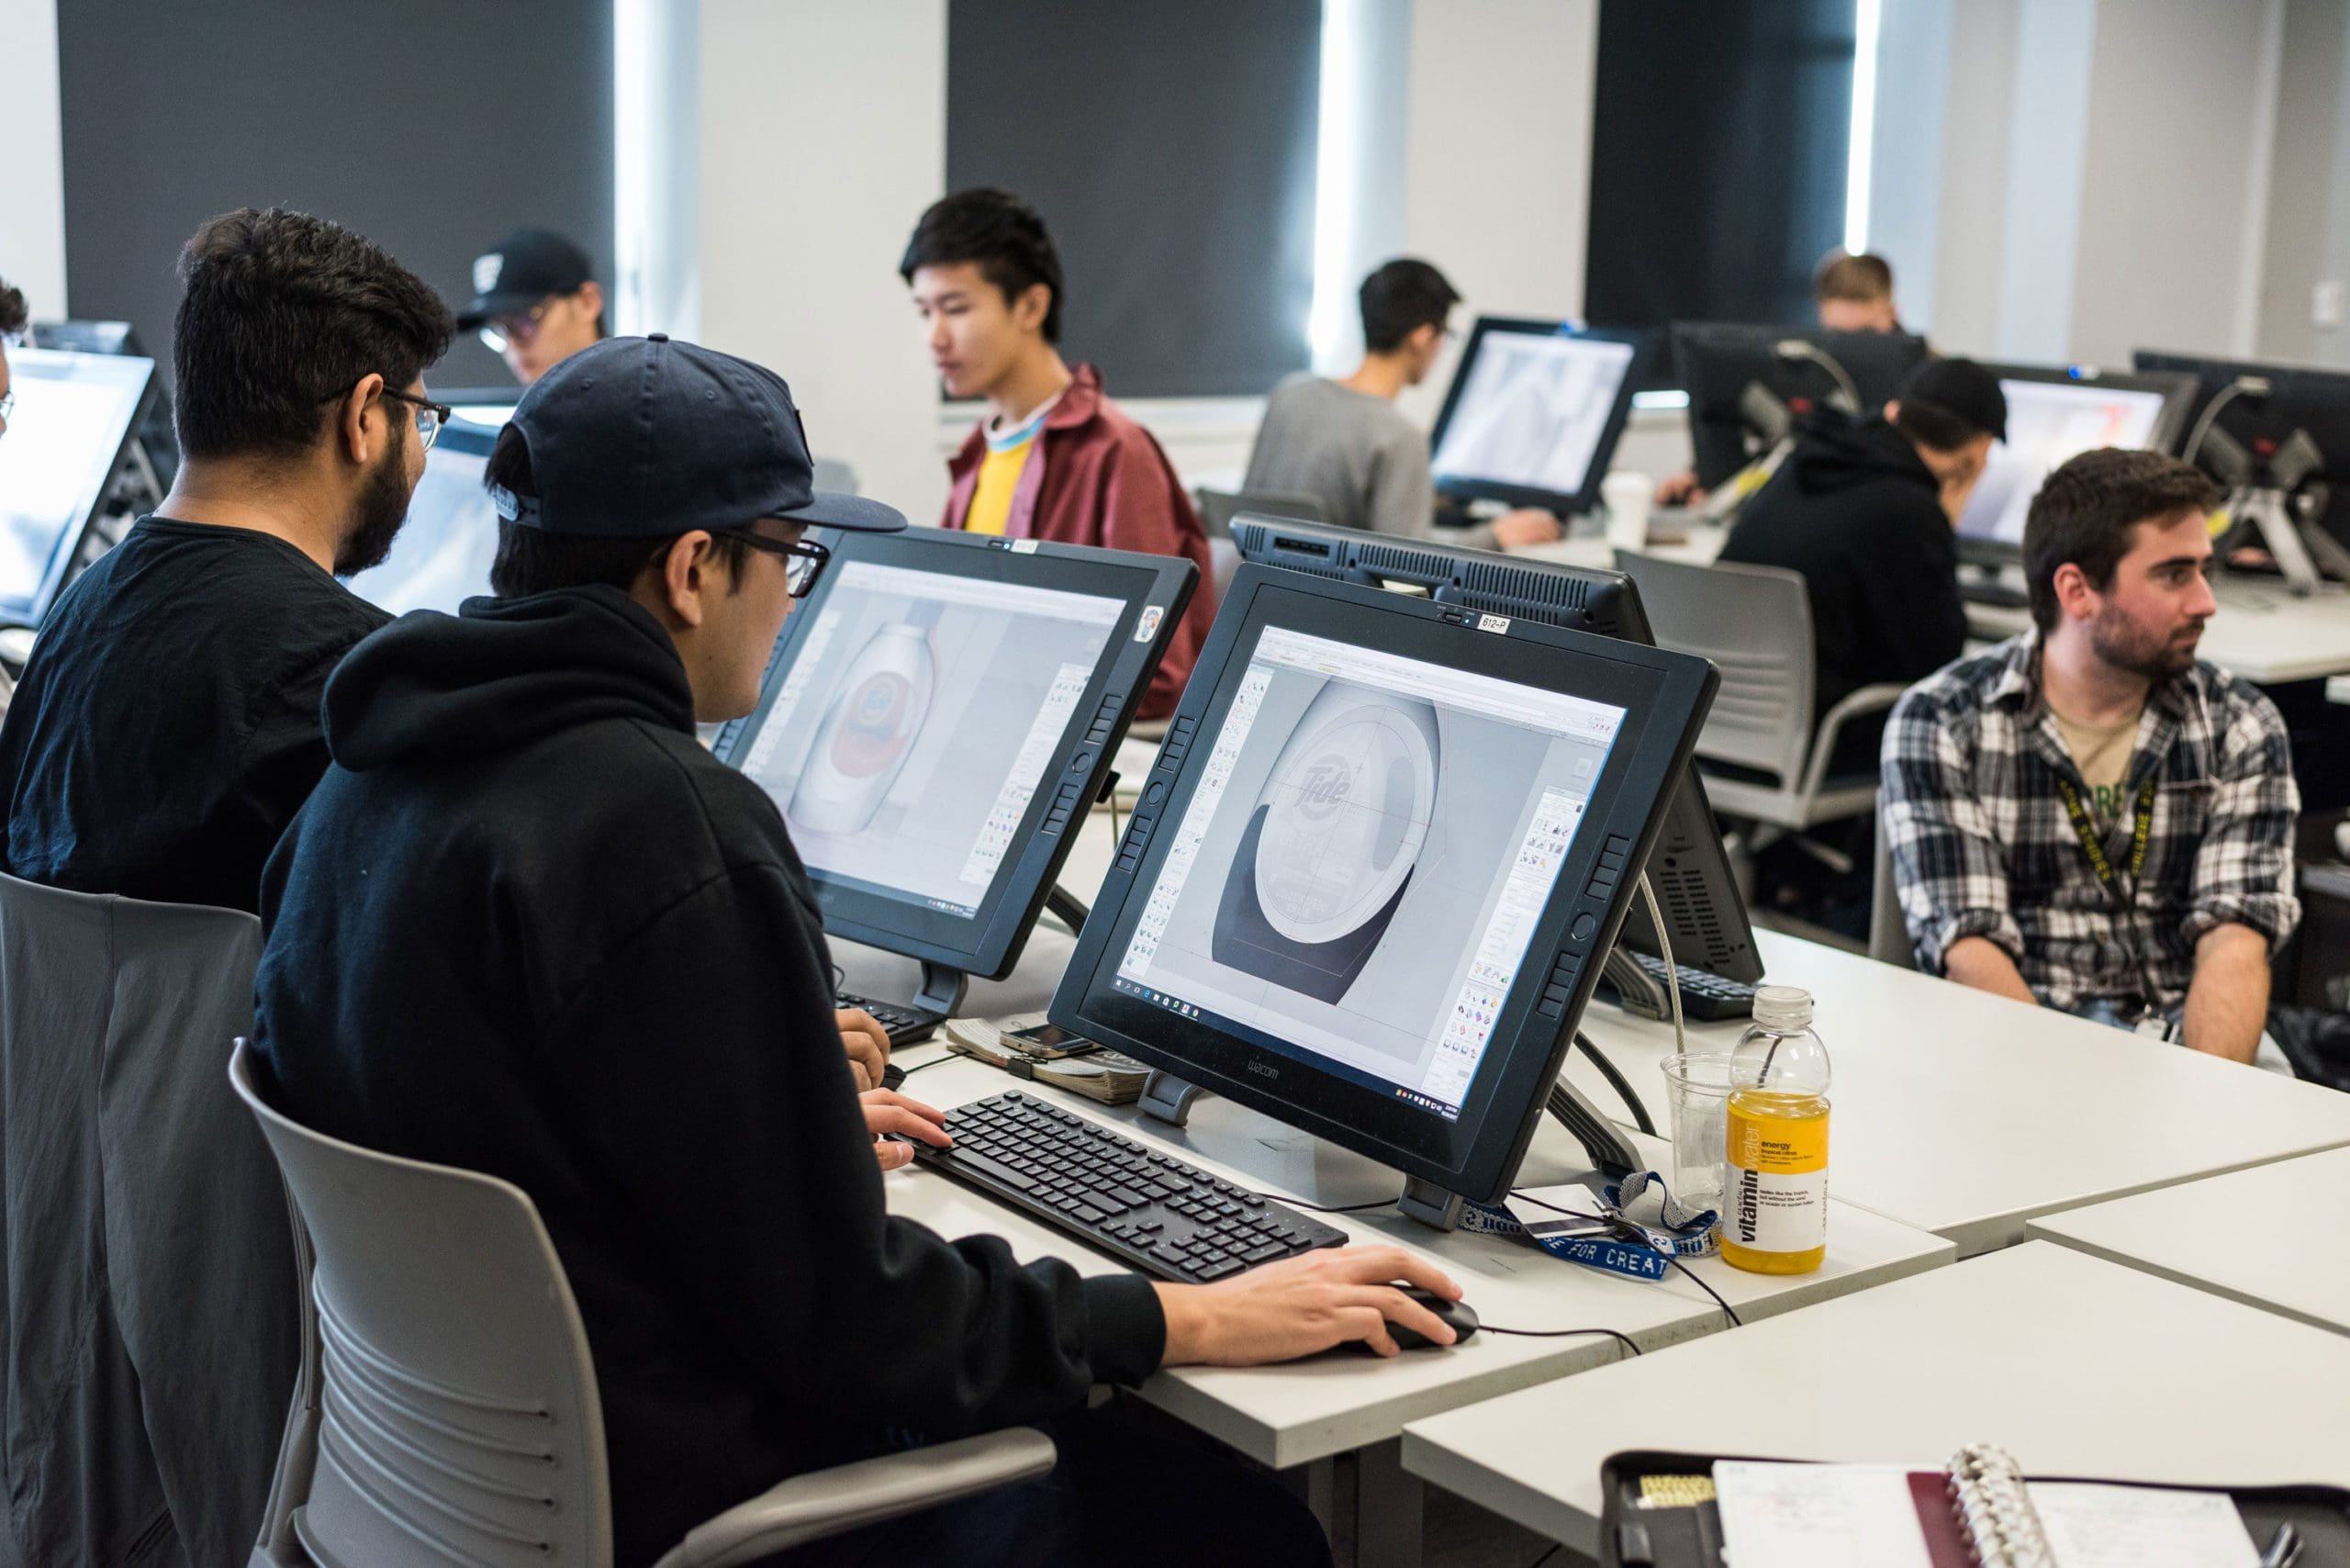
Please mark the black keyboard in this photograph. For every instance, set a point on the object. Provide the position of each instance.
(1705, 996)
(1146, 1208)
(905, 1025)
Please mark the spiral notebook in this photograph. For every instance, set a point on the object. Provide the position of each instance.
(1981, 1511)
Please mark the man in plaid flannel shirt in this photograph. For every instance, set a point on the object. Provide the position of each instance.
(2086, 815)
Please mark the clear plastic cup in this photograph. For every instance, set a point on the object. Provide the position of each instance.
(1698, 1086)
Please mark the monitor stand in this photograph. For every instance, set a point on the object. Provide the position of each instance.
(1067, 908)
(2304, 551)
(1169, 1099)
(943, 989)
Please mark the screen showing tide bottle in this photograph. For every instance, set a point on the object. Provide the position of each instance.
(916, 722)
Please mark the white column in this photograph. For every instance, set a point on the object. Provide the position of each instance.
(32, 168)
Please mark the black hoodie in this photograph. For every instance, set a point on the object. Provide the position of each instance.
(526, 925)
(1856, 511)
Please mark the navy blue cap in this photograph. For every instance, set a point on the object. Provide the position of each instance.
(521, 269)
(642, 438)
(1961, 388)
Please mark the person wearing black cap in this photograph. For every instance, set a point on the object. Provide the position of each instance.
(536, 301)
(1865, 509)
(586, 958)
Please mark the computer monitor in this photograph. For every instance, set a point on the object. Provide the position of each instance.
(1751, 386)
(1705, 920)
(1533, 413)
(442, 554)
(76, 418)
(2277, 427)
(2056, 413)
(1378, 864)
(938, 717)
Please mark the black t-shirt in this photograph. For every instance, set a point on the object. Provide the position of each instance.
(167, 727)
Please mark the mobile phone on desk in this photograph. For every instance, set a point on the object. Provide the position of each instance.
(1048, 1042)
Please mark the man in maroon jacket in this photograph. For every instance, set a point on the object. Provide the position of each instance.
(1055, 458)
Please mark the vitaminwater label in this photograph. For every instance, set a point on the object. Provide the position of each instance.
(1774, 1198)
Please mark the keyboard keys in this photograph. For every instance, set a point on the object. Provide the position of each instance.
(1148, 1208)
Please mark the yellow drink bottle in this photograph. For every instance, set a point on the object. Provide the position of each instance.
(1774, 1192)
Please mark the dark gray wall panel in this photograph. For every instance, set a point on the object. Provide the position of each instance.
(431, 126)
(1170, 148)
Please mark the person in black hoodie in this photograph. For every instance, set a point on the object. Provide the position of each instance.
(1865, 510)
(528, 926)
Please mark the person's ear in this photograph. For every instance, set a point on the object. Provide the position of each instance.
(2074, 598)
(1036, 303)
(688, 576)
(1893, 410)
(590, 295)
(360, 437)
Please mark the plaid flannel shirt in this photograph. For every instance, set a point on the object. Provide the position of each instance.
(1982, 846)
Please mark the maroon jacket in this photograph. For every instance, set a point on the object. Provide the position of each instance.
(1097, 478)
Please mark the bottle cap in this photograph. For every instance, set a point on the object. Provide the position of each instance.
(1782, 1007)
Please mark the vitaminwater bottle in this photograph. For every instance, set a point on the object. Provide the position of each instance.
(1775, 1197)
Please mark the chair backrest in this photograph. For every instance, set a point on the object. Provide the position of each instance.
(1754, 624)
(148, 1294)
(1888, 932)
(1219, 508)
(459, 1417)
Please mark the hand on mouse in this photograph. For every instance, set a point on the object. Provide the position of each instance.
(887, 1111)
(1299, 1305)
(867, 1045)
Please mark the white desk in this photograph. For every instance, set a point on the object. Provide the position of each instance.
(1968, 1114)
(2270, 1237)
(2261, 632)
(2080, 1367)
(1699, 545)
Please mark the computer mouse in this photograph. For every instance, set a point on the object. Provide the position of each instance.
(1458, 1316)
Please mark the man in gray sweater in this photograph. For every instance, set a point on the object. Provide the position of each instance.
(1345, 443)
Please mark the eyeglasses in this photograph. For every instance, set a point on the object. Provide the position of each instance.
(500, 330)
(430, 416)
(804, 559)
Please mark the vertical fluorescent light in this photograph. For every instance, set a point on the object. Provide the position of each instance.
(1337, 180)
(1857, 154)
(631, 159)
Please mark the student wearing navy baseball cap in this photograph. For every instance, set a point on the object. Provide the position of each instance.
(528, 926)
(536, 301)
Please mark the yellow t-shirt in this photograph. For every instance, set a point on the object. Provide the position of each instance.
(999, 470)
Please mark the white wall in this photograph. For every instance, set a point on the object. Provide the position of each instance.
(2308, 237)
(32, 164)
(822, 137)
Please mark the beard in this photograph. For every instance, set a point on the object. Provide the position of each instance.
(383, 507)
(2157, 656)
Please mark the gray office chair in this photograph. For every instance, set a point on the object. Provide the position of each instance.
(1754, 624)
(151, 1335)
(448, 1410)
(1219, 508)
(1888, 932)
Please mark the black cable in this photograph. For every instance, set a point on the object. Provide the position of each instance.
(1623, 1088)
(1623, 1339)
(1326, 1209)
(1728, 1311)
(905, 1073)
(1547, 1556)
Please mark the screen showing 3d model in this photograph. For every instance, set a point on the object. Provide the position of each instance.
(1533, 411)
(916, 722)
(2048, 424)
(1361, 865)
(72, 413)
(442, 553)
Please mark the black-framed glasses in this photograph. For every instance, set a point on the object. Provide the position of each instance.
(430, 416)
(804, 559)
(500, 330)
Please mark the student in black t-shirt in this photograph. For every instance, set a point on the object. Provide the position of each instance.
(167, 729)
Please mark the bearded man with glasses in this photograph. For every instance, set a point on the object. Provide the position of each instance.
(166, 728)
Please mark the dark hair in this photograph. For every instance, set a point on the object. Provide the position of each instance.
(12, 308)
(280, 313)
(1930, 424)
(1000, 232)
(1843, 275)
(531, 560)
(1400, 298)
(2088, 511)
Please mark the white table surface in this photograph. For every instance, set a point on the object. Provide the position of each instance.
(1968, 1114)
(2270, 1236)
(2077, 1366)
(2261, 632)
(1292, 1415)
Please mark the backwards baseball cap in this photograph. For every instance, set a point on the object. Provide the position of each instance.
(642, 438)
(1961, 388)
(521, 269)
